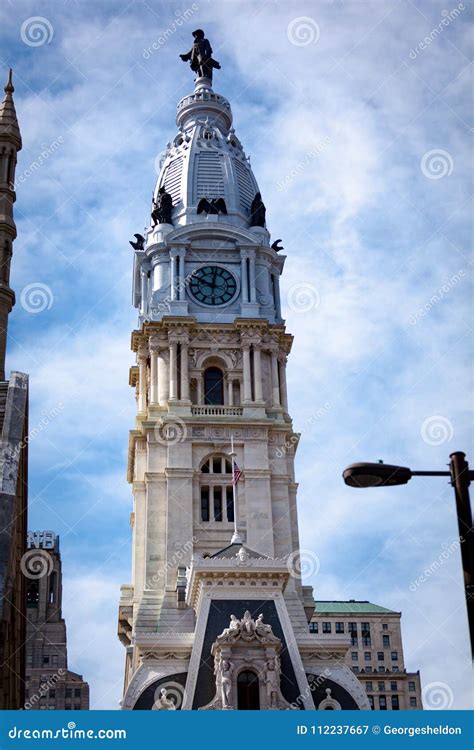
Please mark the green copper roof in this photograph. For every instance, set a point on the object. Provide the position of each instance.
(351, 606)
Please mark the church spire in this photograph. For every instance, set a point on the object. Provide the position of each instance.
(10, 144)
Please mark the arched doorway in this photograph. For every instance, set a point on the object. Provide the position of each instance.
(213, 386)
(248, 691)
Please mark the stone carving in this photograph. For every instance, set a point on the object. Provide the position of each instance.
(276, 246)
(139, 244)
(247, 629)
(257, 212)
(200, 56)
(225, 669)
(272, 682)
(162, 208)
(163, 703)
(213, 206)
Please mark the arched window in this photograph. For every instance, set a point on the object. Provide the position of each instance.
(248, 691)
(217, 499)
(213, 386)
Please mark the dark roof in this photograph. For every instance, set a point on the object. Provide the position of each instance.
(232, 549)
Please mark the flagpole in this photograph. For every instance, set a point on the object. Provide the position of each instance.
(235, 536)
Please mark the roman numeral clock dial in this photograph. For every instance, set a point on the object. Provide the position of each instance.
(213, 285)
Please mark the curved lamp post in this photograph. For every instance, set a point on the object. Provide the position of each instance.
(385, 475)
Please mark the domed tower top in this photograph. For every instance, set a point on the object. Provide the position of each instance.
(205, 169)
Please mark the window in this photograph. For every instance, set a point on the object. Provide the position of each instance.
(313, 627)
(380, 655)
(368, 669)
(381, 686)
(366, 640)
(382, 702)
(77, 692)
(213, 386)
(355, 670)
(248, 691)
(395, 703)
(230, 504)
(394, 655)
(367, 655)
(326, 627)
(217, 503)
(45, 661)
(32, 593)
(352, 629)
(54, 660)
(411, 687)
(381, 669)
(386, 641)
(412, 701)
(339, 627)
(371, 701)
(354, 655)
(393, 686)
(204, 503)
(365, 628)
(52, 695)
(368, 687)
(384, 626)
(68, 692)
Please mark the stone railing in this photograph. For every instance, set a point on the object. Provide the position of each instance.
(216, 411)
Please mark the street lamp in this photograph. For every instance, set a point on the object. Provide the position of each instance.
(386, 475)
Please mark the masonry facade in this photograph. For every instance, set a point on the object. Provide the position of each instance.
(50, 685)
(216, 616)
(376, 651)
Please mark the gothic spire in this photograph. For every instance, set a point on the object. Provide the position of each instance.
(9, 129)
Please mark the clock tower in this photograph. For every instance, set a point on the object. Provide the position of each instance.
(216, 616)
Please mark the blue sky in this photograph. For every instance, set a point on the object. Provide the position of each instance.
(358, 139)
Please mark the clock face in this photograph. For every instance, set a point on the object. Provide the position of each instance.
(213, 285)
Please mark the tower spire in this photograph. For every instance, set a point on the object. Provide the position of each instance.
(10, 144)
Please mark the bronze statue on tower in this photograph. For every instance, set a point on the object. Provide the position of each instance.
(200, 56)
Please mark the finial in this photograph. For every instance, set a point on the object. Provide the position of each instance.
(9, 88)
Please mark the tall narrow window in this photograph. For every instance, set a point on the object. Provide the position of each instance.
(213, 386)
(204, 503)
(248, 691)
(217, 503)
(230, 504)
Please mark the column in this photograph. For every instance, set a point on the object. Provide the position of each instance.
(199, 389)
(173, 370)
(275, 381)
(245, 288)
(230, 391)
(257, 369)
(173, 276)
(253, 283)
(276, 291)
(153, 373)
(247, 384)
(184, 371)
(163, 377)
(144, 292)
(181, 279)
(142, 361)
(283, 394)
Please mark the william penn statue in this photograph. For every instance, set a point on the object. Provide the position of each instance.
(200, 56)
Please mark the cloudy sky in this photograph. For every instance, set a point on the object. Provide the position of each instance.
(356, 116)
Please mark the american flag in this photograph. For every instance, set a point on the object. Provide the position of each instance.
(236, 474)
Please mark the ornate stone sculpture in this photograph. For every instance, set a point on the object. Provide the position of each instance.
(162, 208)
(163, 703)
(226, 670)
(247, 629)
(200, 56)
(257, 212)
(213, 206)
